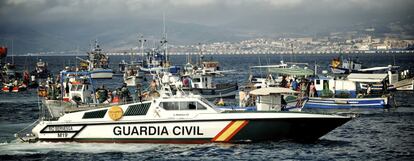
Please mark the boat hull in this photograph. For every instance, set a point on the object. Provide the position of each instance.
(102, 74)
(345, 103)
(226, 91)
(192, 131)
(132, 81)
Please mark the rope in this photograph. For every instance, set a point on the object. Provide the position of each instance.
(27, 126)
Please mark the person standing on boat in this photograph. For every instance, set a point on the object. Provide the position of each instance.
(312, 90)
(138, 93)
(369, 89)
(303, 87)
(125, 93)
(102, 94)
(153, 86)
(284, 82)
(294, 84)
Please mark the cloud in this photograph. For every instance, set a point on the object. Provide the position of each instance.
(238, 14)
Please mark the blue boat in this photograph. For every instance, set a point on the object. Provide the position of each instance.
(342, 94)
(346, 103)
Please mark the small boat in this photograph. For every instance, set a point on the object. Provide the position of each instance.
(14, 88)
(203, 85)
(133, 75)
(121, 66)
(341, 65)
(41, 71)
(199, 81)
(346, 103)
(332, 93)
(97, 64)
(181, 119)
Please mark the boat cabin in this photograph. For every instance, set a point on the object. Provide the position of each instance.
(271, 98)
(328, 86)
(79, 85)
(201, 81)
(210, 66)
(165, 107)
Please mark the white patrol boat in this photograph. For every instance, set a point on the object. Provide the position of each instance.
(180, 119)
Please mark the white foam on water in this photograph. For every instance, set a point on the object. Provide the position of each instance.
(18, 148)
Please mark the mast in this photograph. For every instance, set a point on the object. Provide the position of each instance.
(164, 38)
(141, 41)
(201, 54)
(12, 52)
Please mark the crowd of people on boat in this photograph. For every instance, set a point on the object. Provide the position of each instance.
(304, 86)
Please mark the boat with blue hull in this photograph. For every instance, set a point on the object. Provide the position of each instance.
(346, 103)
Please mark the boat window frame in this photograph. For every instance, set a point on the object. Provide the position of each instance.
(183, 106)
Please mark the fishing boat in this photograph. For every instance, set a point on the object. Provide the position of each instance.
(121, 66)
(199, 81)
(180, 119)
(346, 103)
(156, 62)
(132, 75)
(97, 64)
(15, 86)
(76, 89)
(275, 73)
(342, 65)
(332, 93)
(41, 71)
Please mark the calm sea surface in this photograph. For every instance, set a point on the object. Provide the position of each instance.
(374, 135)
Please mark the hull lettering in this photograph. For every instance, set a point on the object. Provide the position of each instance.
(156, 130)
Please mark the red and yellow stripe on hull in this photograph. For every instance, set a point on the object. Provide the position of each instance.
(230, 130)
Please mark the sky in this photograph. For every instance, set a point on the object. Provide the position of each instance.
(205, 12)
(256, 17)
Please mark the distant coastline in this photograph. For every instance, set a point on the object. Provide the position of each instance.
(232, 53)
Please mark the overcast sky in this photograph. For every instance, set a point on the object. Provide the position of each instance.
(207, 12)
(50, 24)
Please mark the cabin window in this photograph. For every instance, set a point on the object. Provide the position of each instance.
(196, 80)
(188, 106)
(201, 107)
(325, 84)
(170, 105)
(76, 88)
(318, 81)
(182, 106)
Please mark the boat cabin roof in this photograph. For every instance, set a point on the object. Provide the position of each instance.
(272, 90)
(361, 77)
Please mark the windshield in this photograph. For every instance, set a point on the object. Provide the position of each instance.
(209, 104)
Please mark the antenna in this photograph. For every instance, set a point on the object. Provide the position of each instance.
(164, 39)
(12, 52)
(141, 41)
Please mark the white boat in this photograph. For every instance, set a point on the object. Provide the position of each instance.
(181, 119)
(341, 65)
(101, 73)
(97, 64)
(133, 75)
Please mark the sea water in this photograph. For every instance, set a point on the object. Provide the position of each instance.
(373, 135)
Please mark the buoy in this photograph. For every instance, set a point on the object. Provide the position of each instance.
(221, 102)
(115, 100)
(15, 89)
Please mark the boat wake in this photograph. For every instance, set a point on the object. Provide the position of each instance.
(17, 148)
